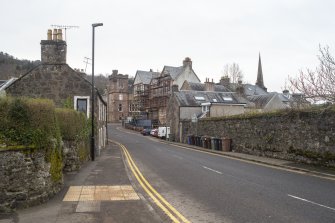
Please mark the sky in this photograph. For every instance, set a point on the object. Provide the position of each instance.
(148, 34)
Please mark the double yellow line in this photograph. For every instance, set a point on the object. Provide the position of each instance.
(167, 208)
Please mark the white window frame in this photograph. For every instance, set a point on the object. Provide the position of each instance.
(88, 104)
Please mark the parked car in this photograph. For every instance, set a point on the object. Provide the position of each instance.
(146, 131)
(154, 132)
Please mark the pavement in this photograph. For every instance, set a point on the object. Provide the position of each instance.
(101, 191)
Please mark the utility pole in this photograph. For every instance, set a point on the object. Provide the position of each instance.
(92, 112)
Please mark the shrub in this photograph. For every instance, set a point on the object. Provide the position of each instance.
(29, 123)
(74, 126)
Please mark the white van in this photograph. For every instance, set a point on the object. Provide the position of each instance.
(163, 132)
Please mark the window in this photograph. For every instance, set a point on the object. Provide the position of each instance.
(81, 103)
(205, 108)
(120, 108)
(120, 97)
(120, 84)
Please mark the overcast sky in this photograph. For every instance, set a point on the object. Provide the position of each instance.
(148, 34)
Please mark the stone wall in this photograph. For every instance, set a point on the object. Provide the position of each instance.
(303, 136)
(25, 179)
(75, 154)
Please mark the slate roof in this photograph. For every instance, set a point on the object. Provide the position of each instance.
(201, 87)
(145, 76)
(261, 101)
(173, 71)
(249, 89)
(194, 98)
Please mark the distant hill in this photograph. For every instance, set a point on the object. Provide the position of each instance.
(13, 67)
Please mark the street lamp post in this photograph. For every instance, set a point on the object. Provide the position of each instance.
(92, 100)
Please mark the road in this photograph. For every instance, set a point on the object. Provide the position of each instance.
(211, 188)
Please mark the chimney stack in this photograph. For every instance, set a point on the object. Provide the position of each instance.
(115, 72)
(240, 88)
(286, 93)
(187, 62)
(209, 86)
(53, 50)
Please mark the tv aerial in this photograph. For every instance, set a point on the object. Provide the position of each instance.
(87, 62)
(65, 27)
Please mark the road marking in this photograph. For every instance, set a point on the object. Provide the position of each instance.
(179, 157)
(255, 163)
(168, 209)
(312, 202)
(212, 169)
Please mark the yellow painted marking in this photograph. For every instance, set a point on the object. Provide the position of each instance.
(168, 209)
(156, 193)
(249, 161)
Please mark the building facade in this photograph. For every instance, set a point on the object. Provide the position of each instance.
(118, 97)
(161, 89)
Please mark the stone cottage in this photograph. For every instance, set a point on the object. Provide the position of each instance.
(54, 79)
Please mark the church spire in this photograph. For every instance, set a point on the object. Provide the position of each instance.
(260, 82)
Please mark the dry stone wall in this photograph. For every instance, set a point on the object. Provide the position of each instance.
(25, 179)
(303, 136)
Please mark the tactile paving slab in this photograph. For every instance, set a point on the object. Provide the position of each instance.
(101, 193)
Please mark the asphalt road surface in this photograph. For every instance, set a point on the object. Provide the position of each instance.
(211, 188)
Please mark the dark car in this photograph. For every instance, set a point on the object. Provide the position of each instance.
(146, 131)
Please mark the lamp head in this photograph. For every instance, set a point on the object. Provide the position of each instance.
(97, 24)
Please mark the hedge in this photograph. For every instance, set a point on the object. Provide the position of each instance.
(74, 126)
(29, 123)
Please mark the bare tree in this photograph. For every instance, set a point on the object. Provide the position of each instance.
(234, 72)
(318, 84)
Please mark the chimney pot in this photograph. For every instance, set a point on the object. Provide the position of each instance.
(59, 34)
(49, 34)
(54, 37)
